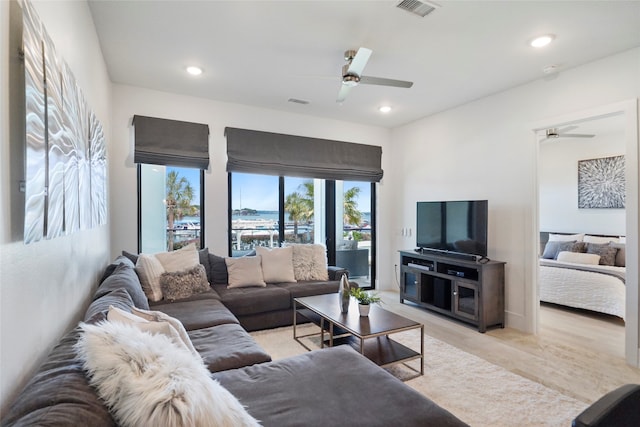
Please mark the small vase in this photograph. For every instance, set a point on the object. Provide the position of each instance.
(364, 309)
(343, 294)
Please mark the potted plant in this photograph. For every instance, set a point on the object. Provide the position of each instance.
(365, 299)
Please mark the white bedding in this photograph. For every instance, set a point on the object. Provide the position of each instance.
(583, 289)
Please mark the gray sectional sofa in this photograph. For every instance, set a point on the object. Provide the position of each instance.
(334, 386)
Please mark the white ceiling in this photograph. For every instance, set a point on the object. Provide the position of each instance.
(262, 53)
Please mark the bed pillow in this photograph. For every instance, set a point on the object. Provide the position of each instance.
(597, 239)
(607, 253)
(579, 258)
(621, 255)
(552, 248)
(277, 264)
(310, 262)
(566, 237)
(182, 284)
(146, 379)
(244, 272)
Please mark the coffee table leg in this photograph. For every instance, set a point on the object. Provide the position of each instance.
(295, 315)
(422, 350)
(321, 332)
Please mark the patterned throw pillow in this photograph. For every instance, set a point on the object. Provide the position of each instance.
(183, 284)
(553, 248)
(607, 253)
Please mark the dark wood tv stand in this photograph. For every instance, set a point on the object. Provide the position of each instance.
(459, 287)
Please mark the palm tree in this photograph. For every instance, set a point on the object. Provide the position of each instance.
(296, 205)
(351, 213)
(178, 201)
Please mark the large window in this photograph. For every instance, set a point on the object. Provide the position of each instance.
(170, 207)
(268, 210)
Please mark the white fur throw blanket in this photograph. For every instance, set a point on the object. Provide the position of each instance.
(147, 380)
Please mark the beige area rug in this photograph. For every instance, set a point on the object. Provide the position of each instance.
(476, 391)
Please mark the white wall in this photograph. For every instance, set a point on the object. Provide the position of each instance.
(128, 101)
(45, 286)
(558, 180)
(485, 149)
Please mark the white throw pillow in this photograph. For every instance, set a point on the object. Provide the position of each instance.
(566, 237)
(310, 262)
(183, 259)
(244, 272)
(579, 258)
(277, 264)
(160, 317)
(152, 326)
(146, 380)
(149, 270)
(600, 240)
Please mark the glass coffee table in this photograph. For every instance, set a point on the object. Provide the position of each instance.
(369, 335)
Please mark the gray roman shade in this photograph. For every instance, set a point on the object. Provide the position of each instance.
(289, 155)
(171, 142)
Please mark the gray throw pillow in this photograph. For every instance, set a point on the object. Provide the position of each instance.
(182, 284)
(621, 255)
(219, 275)
(607, 253)
(553, 248)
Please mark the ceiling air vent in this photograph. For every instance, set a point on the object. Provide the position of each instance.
(420, 8)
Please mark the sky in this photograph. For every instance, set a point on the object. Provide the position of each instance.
(260, 192)
(193, 176)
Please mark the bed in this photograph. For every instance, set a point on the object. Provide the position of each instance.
(583, 271)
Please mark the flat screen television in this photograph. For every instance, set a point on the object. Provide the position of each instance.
(453, 226)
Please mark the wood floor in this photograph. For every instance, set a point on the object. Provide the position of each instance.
(576, 353)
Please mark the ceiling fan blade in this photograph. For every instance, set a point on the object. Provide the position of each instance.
(576, 135)
(359, 61)
(566, 129)
(344, 91)
(368, 80)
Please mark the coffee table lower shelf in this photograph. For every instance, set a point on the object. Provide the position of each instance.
(382, 350)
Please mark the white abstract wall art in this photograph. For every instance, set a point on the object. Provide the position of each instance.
(601, 183)
(65, 176)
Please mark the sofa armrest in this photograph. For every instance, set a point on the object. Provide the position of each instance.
(335, 273)
(617, 408)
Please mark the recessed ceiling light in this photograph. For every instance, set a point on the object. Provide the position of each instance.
(194, 71)
(384, 109)
(542, 41)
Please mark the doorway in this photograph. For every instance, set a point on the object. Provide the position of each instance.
(628, 114)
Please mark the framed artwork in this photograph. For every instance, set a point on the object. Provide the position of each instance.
(601, 183)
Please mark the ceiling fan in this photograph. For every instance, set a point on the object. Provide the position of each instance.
(554, 133)
(352, 74)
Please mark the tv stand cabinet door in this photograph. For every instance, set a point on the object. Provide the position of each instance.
(465, 301)
(409, 284)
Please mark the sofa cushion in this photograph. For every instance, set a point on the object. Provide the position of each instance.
(124, 276)
(277, 264)
(219, 275)
(290, 392)
(244, 301)
(59, 393)
(198, 314)
(99, 308)
(227, 346)
(309, 288)
(149, 270)
(179, 260)
(146, 379)
(182, 284)
(309, 261)
(108, 271)
(245, 272)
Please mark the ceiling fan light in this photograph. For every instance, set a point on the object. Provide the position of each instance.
(384, 109)
(542, 41)
(194, 71)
